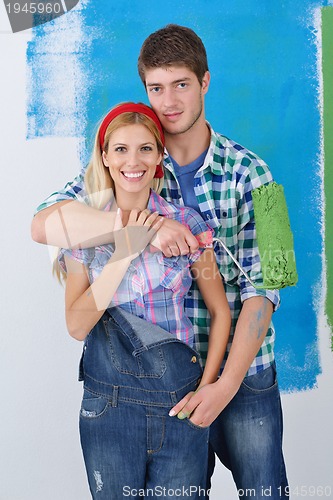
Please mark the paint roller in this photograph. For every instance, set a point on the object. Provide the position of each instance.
(274, 237)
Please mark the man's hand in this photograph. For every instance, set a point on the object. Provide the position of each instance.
(174, 239)
(203, 406)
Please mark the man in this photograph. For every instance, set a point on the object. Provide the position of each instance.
(215, 176)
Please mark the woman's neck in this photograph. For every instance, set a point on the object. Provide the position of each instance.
(130, 201)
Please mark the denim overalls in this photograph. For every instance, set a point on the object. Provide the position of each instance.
(133, 373)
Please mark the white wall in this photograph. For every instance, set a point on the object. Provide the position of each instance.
(40, 457)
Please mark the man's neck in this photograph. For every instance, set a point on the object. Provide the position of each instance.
(187, 147)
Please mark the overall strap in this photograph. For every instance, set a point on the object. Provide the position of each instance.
(141, 333)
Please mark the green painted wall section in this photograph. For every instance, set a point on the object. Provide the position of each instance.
(327, 39)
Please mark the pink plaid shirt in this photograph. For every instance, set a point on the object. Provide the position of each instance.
(154, 287)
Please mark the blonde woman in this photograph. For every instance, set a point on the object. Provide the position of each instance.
(127, 304)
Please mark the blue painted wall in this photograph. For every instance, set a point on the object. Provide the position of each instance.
(264, 94)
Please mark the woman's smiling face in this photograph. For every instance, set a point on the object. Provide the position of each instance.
(131, 158)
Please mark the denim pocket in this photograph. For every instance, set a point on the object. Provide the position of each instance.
(93, 406)
(261, 381)
(195, 426)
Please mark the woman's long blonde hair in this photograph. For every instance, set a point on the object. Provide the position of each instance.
(98, 182)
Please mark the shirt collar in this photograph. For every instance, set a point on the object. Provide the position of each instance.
(158, 204)
(216, 150)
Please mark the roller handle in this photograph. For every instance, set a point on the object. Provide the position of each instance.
(236, 262)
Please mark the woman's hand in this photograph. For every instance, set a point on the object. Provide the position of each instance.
(132, 239)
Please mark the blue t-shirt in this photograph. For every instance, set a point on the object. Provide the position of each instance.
(185, 176)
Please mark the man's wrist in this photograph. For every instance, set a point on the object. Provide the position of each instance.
(228, 384)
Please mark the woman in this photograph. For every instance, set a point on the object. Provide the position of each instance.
(127, 303)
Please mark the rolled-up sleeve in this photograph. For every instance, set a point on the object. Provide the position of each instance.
(202, 232)
(73, 190)
(82, 255)
(248, 252)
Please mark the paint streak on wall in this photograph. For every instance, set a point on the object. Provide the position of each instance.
(327, 49)
(57, 78)
(264, 94)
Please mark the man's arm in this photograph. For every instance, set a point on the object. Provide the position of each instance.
(250, 332)
(65, 220)
(72, 224)
(252, 325)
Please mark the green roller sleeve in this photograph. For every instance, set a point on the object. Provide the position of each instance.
(274, 236)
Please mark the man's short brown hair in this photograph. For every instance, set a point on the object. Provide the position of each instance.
(173, 45)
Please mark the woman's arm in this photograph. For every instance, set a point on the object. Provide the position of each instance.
(85, 303)
(210, 284)
(209, 281)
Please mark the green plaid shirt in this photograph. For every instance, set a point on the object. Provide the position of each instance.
(223, 187)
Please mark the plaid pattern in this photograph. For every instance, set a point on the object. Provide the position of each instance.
(154, 287)
(223, 187)
(72, 190)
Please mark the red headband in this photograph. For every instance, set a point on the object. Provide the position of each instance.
(132, 107)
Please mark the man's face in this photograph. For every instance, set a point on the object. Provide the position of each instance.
(177, 97)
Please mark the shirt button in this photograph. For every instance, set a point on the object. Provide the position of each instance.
(189, 294)
(193, 359)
